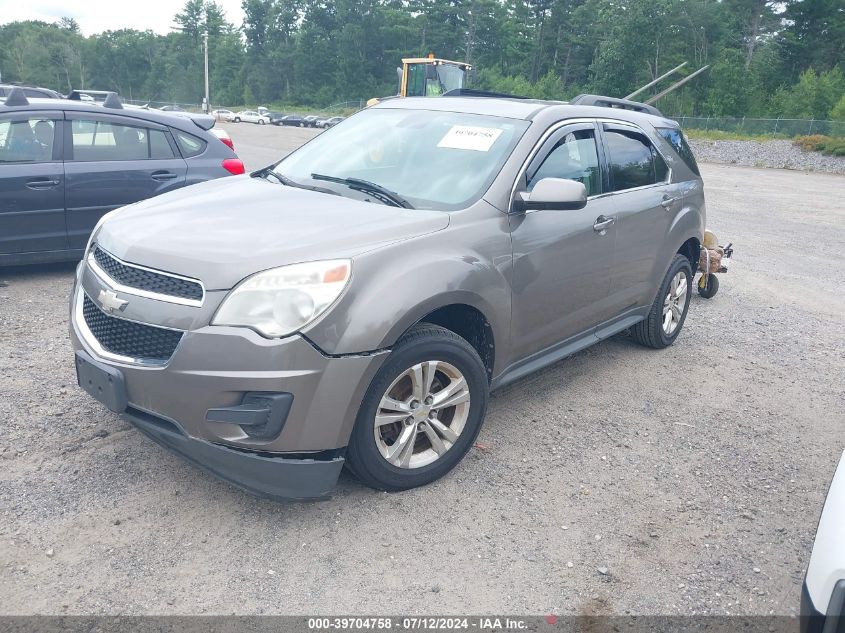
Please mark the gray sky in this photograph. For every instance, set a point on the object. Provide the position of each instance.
(95, 16)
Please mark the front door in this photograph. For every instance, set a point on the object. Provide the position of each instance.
(562, 259)
(32, 194)
(114, 161)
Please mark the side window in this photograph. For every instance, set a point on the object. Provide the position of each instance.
(159, 147)
(678, 141)
(101, 140)
(573, 158)
(633, 160)
(189, 145)
(27, 141)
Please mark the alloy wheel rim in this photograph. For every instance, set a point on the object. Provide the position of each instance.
(675, 302)
(422, 414)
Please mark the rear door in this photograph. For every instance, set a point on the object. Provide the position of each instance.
(645, 204)
(32, 204)
(113, 161)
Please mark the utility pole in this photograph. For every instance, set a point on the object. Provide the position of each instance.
(206, 105)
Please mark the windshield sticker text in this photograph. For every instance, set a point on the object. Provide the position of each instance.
(479, 139)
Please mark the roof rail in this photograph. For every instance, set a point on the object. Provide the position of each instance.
(613, 102)
(469, 92)
(16, 97)
(110, 98)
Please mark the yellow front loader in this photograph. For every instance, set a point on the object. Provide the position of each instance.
(428, 77)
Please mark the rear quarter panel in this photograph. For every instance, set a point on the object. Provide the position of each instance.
(690, 219)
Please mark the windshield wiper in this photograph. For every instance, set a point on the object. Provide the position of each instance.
(268, 171)
(376, 190)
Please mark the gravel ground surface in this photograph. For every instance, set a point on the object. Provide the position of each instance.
(778, 154)
(621, 480)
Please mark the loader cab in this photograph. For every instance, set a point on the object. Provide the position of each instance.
(431, 77)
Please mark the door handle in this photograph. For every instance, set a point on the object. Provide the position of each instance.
(41, 183)
(668, 201)
(163, 175)
(602, 223)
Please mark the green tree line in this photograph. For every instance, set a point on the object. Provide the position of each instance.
(782, 58)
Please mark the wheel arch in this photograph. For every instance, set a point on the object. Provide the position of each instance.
(470, 324)
(460, 312)
(690, 249)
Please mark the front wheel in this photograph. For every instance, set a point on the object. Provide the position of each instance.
(669, 311)
(260, 121)
(422, 412)
(237, 120)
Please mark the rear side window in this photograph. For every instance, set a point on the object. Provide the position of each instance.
(678, 141)
(188, 144)
(27, 141)
(106, 141)
(633, 160)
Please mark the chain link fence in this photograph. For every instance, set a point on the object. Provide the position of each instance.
(763, 127)
(776, 128)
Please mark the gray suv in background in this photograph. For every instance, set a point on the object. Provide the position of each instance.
(355, 303)
(64, 164)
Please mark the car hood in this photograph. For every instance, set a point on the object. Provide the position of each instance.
(224, 230)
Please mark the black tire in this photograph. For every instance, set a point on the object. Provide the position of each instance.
(710, 288)
(421, 343)
(260, 121)
(237, 120)
(650, 332)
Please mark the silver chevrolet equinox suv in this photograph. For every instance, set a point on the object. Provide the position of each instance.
(355, 303)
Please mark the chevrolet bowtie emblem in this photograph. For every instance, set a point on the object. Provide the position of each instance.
(110, 301)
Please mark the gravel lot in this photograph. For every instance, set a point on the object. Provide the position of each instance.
(691, 477)
(779, 154)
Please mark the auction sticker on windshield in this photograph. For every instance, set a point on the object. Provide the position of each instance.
(479, 139)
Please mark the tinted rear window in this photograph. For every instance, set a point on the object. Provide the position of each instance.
(678, 141)
(633, 161)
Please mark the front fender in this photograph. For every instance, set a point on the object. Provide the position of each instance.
(395, 286)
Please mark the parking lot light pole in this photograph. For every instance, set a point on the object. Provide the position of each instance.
(206, 104)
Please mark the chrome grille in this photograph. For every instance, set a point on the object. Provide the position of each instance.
(147, 280)
(133, 340)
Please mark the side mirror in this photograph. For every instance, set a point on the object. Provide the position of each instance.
(553, 194)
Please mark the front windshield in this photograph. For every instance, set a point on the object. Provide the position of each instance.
(434, 160)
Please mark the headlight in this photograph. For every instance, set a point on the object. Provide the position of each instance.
(280, 301)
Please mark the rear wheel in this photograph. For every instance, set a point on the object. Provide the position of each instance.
(421, 413)
(237, 120)
(669, 311)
